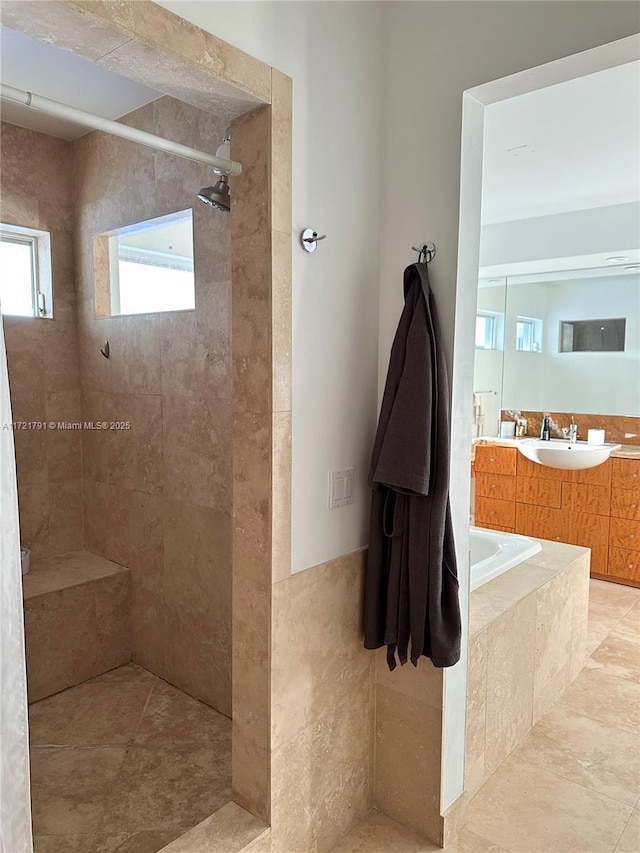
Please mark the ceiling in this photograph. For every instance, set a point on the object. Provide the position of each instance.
(567, 147)
(35, 66)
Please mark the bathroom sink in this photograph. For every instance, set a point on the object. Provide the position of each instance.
(561, 454)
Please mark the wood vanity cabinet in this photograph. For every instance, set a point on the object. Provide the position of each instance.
(598, 508)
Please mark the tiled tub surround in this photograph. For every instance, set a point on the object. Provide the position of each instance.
(158, 496)
(598, 508)
(527, 642)
(572, 785)
(77, 622)
(36, 191)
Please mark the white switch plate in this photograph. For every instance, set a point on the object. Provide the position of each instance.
(341, 487)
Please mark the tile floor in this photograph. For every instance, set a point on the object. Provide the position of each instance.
(573, 785)
(124, 762)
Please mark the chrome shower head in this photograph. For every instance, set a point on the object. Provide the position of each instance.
(217, 197)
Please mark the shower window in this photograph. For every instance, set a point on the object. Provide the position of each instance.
(146, 267)
(25, 266)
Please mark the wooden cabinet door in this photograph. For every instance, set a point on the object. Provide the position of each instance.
(591, 531)
(498, 486)
(625, 503)
(625, 473)
(527, 468)
(581, 497)
(542, 522)
(538, 492)
(624, 563)
(625, 533)
(495, 460)
(598, 476)
(490, 512)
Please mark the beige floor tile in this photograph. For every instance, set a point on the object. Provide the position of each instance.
(595, 636)
(147, 841)
(609, 603)
(606, 698)
(526, 809)
(62, 843)
(69, 787)
(630, 840)
(377, 833)
(631, 622)
(170, 787)
(602, 758)
(173, 717)
(96, 714)
(619, 655)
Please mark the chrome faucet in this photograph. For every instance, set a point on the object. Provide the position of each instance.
(571, 432)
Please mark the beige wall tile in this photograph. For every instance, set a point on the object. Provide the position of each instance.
(407, 772)
(423, 682)
(251, 767)
(510, 675)
(65, 516)
(281, 153)
(474, 770)
(322, 778)
(554, 613)
(135, 455)
(309, 675)
(281, 485)
(197, 655)
(197, 555)
(281, 320)
(251, 496)
(580, 618)
(75, 30)
(252, 658)
(196, 346)
(148, 627)
(113, 621)
(251, 209)
(197, 450)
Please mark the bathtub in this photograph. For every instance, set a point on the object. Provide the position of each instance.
(493, 553)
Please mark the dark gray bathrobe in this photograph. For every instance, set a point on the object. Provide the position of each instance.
(411, 592)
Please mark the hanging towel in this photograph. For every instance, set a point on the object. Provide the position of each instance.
(411, 591)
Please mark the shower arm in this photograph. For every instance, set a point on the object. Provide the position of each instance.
(63, 111)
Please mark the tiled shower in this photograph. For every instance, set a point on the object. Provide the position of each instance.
(129, 528)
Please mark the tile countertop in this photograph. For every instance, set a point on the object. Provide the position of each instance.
(627, 451)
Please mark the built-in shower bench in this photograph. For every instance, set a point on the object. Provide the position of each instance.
(77, 622)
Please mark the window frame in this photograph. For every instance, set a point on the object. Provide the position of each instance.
(23, 236)
(39, 243)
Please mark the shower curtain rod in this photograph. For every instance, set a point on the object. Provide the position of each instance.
(63, 111)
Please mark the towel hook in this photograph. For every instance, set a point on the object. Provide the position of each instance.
(426, 252)
(309, 239)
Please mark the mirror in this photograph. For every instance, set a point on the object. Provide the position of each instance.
(558, 312)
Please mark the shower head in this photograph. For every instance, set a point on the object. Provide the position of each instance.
(217, 197)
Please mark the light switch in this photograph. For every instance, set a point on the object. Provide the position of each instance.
(341, 487)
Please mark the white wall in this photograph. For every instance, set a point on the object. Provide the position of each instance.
(333, 53)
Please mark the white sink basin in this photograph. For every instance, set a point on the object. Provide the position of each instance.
(558, 453)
